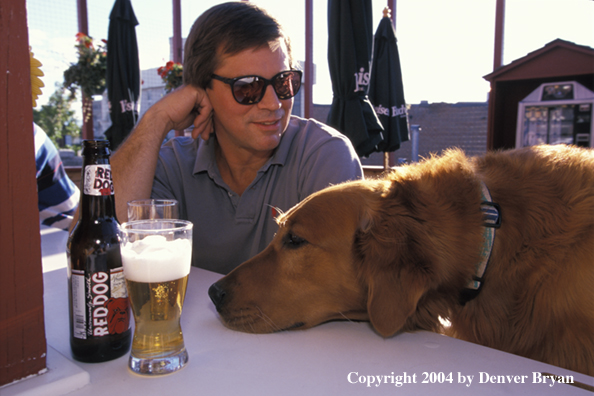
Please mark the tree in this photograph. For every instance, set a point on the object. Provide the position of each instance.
(56, 118)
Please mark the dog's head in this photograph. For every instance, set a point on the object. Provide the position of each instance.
(357, 251)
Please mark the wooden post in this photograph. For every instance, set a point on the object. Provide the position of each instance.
(499, 28)
(309, 75)
(497, 63)
(177, 39)
(22, 331)
(87, 102)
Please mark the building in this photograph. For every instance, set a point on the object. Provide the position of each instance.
(441, 126)
(557, 61)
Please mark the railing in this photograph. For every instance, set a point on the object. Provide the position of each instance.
(74, 172)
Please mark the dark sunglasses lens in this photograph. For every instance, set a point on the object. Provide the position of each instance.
(248, 90)
(286, 85)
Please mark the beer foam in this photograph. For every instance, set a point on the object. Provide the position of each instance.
(154, 259)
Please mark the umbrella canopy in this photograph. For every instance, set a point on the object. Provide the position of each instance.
(349, 60)
(123, 72)
(385, 90)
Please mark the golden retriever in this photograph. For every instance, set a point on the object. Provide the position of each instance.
(399, 252)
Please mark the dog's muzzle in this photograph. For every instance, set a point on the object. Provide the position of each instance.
(217, 294)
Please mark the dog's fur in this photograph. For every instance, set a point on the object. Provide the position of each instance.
(397, 251)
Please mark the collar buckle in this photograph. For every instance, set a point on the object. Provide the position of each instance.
(491, 214)
(491, 221)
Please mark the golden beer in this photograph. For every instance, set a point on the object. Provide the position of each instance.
(157, 309)
(156, 256)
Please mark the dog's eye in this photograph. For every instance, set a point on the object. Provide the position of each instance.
(293, 241)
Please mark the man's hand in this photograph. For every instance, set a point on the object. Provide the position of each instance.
(185, 106)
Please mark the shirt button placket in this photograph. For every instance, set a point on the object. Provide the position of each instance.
(233, 197)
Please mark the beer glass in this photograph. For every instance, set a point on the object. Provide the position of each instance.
(148, 209)
(156, 256)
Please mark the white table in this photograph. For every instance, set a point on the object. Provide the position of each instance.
(318, 361)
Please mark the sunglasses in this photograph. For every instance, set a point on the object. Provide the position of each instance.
(248, 90)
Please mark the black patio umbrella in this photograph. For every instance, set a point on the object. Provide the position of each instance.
(123, 72)
(349, 60)
(385, 89)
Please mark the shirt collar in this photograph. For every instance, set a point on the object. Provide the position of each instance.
(205, 154)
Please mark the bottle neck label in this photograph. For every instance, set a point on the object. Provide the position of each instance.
(97, 180)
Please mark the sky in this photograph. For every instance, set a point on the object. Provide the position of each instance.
(446, 47)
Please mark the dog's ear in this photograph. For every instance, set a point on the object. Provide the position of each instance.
(392, 299)
(393, 265)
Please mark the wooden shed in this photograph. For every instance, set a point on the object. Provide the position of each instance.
(558, 60)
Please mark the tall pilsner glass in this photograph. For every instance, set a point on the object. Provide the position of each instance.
(156, 256)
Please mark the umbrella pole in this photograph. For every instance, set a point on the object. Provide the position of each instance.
(387, 13)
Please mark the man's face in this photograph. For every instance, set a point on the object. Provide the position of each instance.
(257, 128)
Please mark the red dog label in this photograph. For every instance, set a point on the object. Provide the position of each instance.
(106, 300)
(98, 180)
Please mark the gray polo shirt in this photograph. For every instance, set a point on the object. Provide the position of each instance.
(229, 228)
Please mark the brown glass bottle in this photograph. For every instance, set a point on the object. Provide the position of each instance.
(97, 295)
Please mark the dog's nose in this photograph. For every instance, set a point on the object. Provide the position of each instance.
(217, 295)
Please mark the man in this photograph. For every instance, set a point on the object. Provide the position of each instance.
(249, 158)
(57, 195)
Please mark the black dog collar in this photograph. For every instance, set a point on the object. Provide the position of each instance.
(492, 220)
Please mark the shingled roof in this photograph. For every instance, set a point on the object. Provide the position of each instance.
(446, 125)
(544, 62)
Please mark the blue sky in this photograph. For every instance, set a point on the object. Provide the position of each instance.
(445, 46)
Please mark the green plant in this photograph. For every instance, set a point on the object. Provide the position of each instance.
(90, 71)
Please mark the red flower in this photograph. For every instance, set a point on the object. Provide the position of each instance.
(85, 40)
(171, 74)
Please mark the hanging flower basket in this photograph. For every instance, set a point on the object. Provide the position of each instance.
(90, 72)
(172, 75)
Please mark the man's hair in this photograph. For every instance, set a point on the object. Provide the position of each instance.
(227, 29)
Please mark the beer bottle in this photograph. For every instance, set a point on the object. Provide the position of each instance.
(98, 299)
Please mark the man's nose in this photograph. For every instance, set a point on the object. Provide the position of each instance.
(270, 101)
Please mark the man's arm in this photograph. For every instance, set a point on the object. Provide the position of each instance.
(133, 164)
